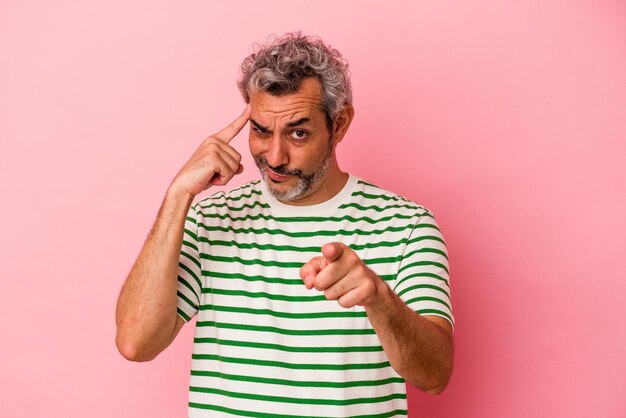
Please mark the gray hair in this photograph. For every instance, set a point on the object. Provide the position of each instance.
(280, 66)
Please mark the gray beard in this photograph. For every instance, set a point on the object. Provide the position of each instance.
(307, 183)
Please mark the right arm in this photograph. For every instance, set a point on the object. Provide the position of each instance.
(146, 317)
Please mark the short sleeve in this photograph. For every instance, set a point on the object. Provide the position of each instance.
(423, 279)
(189, 269)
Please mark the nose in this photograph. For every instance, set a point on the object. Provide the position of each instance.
(276, 153)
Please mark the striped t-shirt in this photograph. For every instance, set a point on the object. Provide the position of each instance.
(265, 345)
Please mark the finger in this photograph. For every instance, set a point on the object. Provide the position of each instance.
(331, 275)
(357, 296)
(229, 132)
(333, 251)
(230, 156)
(222, 177)
(227, 149)
(341, 286)
(225, 168)
(311, 269)
(222, 164)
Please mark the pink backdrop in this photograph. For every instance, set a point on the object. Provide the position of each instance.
(508, 120)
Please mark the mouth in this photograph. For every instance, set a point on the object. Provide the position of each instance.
(275, 177)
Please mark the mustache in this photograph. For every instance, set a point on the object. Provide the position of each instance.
(281, 169)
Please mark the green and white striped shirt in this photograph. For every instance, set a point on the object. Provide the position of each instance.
(265, 346)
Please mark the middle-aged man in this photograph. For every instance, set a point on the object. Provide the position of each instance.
(317, 293)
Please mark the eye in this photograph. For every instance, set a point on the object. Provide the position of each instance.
(259, 132)
(299, 134)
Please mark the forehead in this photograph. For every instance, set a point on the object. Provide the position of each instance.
(304, 102)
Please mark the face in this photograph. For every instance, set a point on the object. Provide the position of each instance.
(292, 146)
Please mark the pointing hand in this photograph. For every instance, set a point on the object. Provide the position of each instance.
(215, 162)
(342, 275)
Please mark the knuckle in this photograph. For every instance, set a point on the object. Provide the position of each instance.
(362, 270)
(345, 303)
(369, 287)
(210, 148)
(210, 141)
(227, 171)
(215, 145)
(339, 289)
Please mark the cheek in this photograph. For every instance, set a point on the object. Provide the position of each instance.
(307, 158)
(316, 151)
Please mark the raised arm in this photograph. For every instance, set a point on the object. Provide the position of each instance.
(146, 316)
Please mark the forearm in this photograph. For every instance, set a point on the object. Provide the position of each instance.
(419, 349)
(146, 308)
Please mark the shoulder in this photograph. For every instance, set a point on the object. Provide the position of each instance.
(243, 197)
(367, 195)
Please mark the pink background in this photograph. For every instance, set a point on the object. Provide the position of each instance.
(507, 120)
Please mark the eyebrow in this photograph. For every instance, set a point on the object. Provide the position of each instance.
(298, 122)
(289, 124)
(259, 126)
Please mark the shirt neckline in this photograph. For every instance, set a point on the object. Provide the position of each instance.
(279, 208)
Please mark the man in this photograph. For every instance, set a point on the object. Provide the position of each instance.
(317, 293)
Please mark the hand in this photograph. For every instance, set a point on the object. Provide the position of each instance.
(342, 275)
(215, 162)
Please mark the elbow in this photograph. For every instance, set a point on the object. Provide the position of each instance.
(132, 351)
(434, 387)
(435, 382)
(440, 384)
(436, 390)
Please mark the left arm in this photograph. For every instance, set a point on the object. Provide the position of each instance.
(419, 348)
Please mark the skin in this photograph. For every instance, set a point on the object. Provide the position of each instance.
(419, 348)
(303, 147)
(146, 316)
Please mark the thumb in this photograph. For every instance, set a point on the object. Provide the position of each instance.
(333, 251)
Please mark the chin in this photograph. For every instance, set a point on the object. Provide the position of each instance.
(286, 193)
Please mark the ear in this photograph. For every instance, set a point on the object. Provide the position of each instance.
(342, 123)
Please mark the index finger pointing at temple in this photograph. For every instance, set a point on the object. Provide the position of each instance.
(229, 132)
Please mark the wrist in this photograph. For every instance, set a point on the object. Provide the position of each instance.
(177, 193)
(383, 295)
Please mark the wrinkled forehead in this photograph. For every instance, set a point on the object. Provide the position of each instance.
(271, 110)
